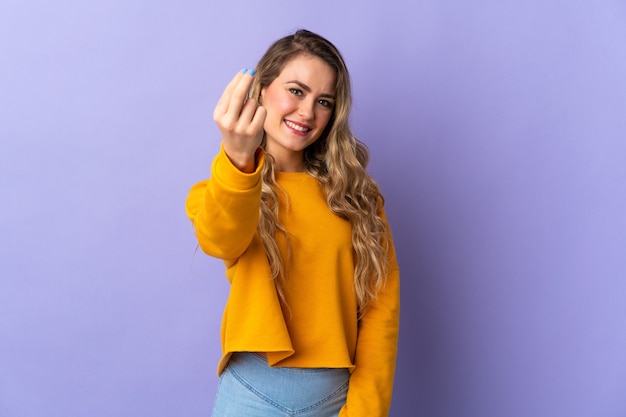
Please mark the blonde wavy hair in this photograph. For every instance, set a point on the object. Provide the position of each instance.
(337, 159)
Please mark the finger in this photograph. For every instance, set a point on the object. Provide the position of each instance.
(240, 94)
(248, 111)
(222, 104)
(258, 120)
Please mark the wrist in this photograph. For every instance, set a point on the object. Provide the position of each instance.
(243, 161)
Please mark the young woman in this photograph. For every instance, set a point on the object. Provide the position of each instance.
(311, 322)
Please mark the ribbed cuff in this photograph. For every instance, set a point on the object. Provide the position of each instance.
(229, 175)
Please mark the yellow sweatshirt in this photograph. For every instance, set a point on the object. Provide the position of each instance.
(319, 329)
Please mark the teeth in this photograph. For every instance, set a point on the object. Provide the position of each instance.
(296, 127)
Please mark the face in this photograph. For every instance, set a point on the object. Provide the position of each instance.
(299, 105)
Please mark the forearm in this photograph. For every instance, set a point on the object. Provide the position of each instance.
(224, 209)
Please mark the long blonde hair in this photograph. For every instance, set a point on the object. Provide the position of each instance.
(337, 160)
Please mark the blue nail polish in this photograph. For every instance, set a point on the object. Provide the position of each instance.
(252, 72)
(243, 71)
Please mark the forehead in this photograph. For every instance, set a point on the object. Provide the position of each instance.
(310, 70)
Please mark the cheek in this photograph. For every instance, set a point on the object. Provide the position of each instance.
(324, 118)
(277, 103)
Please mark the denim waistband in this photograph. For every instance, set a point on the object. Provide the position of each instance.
(294, 391)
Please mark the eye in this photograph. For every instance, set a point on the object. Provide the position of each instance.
(295, 91)
(326, 103)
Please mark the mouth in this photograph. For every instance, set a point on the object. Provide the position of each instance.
(298, 128)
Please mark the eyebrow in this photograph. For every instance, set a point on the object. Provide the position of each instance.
(308, 89)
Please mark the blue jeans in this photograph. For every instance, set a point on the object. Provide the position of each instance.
(250, 388)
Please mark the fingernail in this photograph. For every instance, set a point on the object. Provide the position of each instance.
(252, 72)
(243, 71)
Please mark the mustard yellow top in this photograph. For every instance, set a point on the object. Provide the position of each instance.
(319, 329)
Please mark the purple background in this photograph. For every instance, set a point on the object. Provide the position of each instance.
(498, 134)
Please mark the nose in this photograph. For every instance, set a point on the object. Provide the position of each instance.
(306, 109)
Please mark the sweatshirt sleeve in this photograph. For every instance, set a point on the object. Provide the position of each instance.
(224, 209)
(371, 382)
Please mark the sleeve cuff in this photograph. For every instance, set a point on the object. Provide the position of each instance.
(229, 175)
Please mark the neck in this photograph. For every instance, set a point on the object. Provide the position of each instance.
(281, 167)
(286, 161)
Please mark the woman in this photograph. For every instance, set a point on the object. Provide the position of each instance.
(311, 323)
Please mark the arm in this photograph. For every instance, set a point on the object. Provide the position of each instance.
(225, 209)
(371, 382)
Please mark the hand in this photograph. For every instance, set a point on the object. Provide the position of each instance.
(240, 120)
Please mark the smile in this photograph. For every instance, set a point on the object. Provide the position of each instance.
(297, 127)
